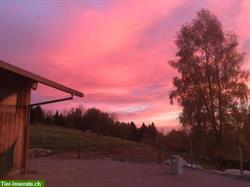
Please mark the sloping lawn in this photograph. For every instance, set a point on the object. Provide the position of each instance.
(60, 139)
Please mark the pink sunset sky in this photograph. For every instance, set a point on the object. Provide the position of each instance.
(116, 52)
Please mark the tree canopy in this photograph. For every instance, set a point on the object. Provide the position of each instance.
(211, 87)
(96, 121)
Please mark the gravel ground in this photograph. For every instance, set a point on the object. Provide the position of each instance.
(99, 172)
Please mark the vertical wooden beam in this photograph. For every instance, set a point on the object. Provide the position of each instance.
(27, 124)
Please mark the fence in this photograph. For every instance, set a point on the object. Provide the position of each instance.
(87, 145)
(237, 157)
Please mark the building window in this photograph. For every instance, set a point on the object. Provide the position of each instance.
(8, 100)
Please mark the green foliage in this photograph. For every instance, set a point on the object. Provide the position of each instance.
(36, 115)
(211, 87)
(176, 140)
(95, 121)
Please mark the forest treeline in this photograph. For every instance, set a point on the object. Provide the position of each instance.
(96, 121)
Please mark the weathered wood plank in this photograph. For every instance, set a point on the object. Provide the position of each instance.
(13, 127)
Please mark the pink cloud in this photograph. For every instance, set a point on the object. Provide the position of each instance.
(116, 53)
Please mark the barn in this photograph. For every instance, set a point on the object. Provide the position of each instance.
(16, 85)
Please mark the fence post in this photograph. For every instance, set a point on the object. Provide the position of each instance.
(44, 137)
(121, 152)
(96, 140)
(79, 150)
(159, 154)
(241, 160)
(191, 152)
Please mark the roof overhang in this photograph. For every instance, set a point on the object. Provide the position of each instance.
(39, 79)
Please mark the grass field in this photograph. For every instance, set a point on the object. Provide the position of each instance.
(67, 142)
(60, 140)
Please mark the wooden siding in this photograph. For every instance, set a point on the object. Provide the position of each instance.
(13, 127)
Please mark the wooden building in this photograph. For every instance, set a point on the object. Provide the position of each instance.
(15, 92)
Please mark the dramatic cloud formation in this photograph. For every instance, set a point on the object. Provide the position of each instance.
(116, 52)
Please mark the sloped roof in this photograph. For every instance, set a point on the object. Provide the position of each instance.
(39, 79)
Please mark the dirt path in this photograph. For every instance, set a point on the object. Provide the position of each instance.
(98, 173)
